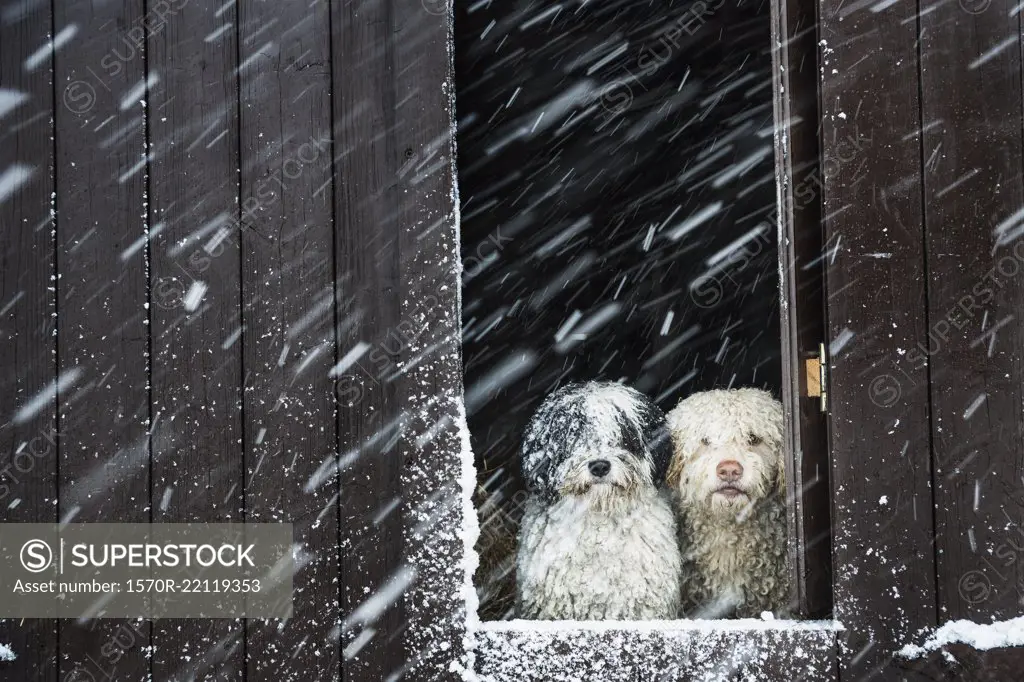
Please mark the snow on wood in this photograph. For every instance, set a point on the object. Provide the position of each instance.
(981, 636)
(681, 626)
(701, 650)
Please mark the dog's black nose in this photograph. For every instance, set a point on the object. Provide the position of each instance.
(600, 467)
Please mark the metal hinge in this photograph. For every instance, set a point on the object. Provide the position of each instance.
(816, 369)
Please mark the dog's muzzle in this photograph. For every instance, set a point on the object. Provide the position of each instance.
(729, 473)
(730, 491)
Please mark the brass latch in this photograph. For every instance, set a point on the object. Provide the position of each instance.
(815, 368)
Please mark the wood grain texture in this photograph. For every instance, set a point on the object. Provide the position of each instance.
(368, 155)
(963, 663)
(972, 143)
(299, 194)
(879, 423)
(28, 442)
(288, 331)
(103, 334)
(802, 311)
(197, 465)
(431, 369)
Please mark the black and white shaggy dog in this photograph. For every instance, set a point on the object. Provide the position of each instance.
(728, 476)
(598, 538)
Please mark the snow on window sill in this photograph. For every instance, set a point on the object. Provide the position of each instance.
(662, 626)
(751, 650)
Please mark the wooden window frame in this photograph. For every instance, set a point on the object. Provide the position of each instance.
(886, 588)
(444, 634)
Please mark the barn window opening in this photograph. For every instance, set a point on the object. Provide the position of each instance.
(620, 247)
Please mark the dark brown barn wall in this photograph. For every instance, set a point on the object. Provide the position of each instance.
(349, 259)
(287, 281)
(197, 450)
(101, 303)
(368, 134)
(884, 581)
(287, 336)
(431, 381)
(923, 167)
(972, 144)
(28, 444)
(347, 106)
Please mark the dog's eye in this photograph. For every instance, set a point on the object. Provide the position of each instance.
(754, 439)
(705, 441)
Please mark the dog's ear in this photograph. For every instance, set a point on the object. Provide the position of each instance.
(675, 471)
(774, 436)
(537, 475)
(655, 438)
(780, 475)
(674, 425)
(660, 445)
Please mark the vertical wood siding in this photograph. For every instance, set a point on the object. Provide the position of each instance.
(971, 149)
(883, 554)
(28, 344)
(245, 308)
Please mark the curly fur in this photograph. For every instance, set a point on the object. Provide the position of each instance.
(734, 528)
(597, 547)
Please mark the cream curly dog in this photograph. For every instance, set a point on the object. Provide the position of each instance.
(728, 475)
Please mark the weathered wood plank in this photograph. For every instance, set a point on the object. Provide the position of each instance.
(288, 335)
(802, 312)
(733, 654)
(28, 440)
(103, 332)
(367, 129)
(880, 431)
(971, 112)
(963, 663)
(431, 380)
(197, 453)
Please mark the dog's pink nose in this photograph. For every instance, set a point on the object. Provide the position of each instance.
(729, 470)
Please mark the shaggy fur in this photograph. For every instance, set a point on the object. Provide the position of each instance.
(733, 521)
(597, 545)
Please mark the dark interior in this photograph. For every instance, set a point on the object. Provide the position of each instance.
(618, 217)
